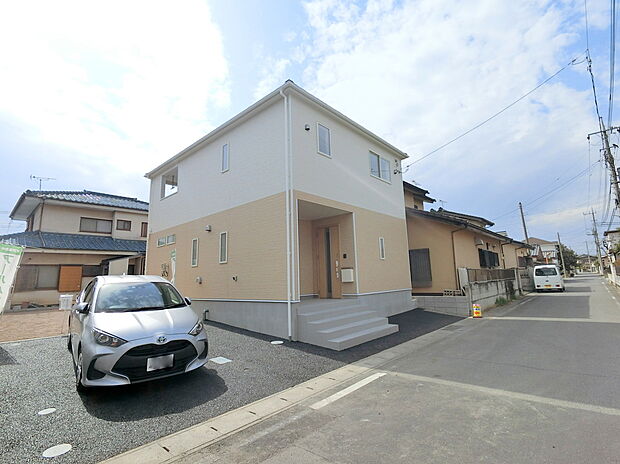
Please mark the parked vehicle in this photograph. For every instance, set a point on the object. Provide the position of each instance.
(548, 277)
(129, 329)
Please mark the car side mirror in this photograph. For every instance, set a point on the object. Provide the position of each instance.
(82, 308)
(188, 302)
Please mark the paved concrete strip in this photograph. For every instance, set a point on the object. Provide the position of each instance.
(512, 395)
(346, 391)
(172, 447)
(549, 319)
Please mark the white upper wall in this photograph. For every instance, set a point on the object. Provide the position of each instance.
(344, 177)
(256, 150)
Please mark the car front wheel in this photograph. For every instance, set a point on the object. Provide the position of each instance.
(78, 374)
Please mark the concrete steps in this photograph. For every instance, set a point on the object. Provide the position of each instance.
(340, 324)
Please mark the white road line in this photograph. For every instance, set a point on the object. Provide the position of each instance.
(346, 391)
(550, 319)
(514, 395)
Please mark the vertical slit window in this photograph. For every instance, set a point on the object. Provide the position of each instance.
(223, 247)
(381, 248)
(225, 157)
(194, 252)
(324, 141)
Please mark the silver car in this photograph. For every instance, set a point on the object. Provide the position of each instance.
(129, 329)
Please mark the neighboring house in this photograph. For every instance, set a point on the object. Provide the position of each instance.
(415, 197)
(289, 220)
(612, 238)
(545, 252)
(442, 241)
(72, 236)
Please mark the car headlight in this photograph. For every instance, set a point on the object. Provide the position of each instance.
(196, 329)
(106, 339)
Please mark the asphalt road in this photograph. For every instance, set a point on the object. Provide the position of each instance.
(38, 374)
(535, 382)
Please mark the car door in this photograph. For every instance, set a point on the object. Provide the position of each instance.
(77, 319)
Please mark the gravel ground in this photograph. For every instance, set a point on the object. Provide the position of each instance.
(109, 421)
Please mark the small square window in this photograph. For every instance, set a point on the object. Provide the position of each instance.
(225, 157)
(324, 140)
(161, 241)
(170, 239)
(170, 183)
(223, 247)
(380, 167)
(123, 225)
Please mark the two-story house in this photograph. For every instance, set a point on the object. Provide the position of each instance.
(289, 220)
(72, 236)
(442, 241)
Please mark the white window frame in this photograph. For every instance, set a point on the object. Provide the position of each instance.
(225, 260)
(171, 239)
(161, 241)
(174, 171)
(381, 248)
(381, 158)
(194, 256)
(318, 140)
(225, 167)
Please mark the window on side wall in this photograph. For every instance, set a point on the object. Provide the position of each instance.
(161, 241)
(170, 183)
(380, 167)
(381, 248)
(99, 226)
(324, 140)
(223, 247)
(225, 157)
(123, 225)
(30, 277)
(194, 252)
(170, 239)
(144, 229)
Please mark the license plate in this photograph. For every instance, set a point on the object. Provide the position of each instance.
(160, 362)
(547, 286)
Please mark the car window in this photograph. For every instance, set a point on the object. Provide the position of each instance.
(135, 296)
(87, 295)
(546, 271)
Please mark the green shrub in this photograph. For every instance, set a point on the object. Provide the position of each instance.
(500, 301)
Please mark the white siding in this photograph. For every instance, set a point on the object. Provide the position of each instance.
(257, 148)
(344, 177)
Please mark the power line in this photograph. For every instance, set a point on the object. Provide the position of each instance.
(573, 62)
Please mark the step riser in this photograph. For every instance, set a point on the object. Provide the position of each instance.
(308, 318)
(339, 346)
(316, 326)
(321, 338)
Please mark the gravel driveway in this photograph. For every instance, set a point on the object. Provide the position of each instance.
(38, 374)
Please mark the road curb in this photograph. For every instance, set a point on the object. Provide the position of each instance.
(188, 441)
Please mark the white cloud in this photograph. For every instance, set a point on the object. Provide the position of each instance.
(273, 74)
(421, 72)
(124, 85)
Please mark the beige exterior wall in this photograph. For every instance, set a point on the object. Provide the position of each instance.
(437, 237)
(48, 297)
(63, 218)
(256, 253)
(411, 201)
(511, 253)
(362, 248)
(256, 150)
(345, 177)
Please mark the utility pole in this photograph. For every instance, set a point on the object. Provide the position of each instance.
(562, 256)
(588, 252)
(527, 239)
(596, 241)
(609, 158)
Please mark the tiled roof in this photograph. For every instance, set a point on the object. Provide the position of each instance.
(59, 241)
(91, 198)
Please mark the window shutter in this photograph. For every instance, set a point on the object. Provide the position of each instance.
(420, 262)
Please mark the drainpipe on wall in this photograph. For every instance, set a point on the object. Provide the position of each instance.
(289, 308)
(456, 272)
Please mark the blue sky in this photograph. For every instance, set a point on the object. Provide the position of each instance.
(95, 97)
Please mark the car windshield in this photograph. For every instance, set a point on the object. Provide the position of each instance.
(546, 271)
(137, 296)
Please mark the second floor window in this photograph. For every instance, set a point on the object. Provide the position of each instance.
(380, 167)
(144, 229)
(123, 225)
(99, 226)
(324, 141)
(225, 157)
(170, 183)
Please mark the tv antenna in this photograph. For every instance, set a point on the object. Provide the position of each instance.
(41, 179)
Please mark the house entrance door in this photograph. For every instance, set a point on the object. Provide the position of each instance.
(327, 241)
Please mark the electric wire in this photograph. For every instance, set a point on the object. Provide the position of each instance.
(575, 61)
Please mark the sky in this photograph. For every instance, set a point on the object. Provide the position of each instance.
(94, 95)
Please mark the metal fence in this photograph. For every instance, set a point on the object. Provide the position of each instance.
(484, 275)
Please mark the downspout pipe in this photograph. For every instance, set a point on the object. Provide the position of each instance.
(289, 307)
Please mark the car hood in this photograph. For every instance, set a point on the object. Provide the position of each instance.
(133, 325)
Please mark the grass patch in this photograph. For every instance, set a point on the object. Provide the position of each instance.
(500, 301)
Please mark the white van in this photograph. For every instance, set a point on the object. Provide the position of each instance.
(548, 277)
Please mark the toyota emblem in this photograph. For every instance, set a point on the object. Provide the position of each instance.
(161, 339)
